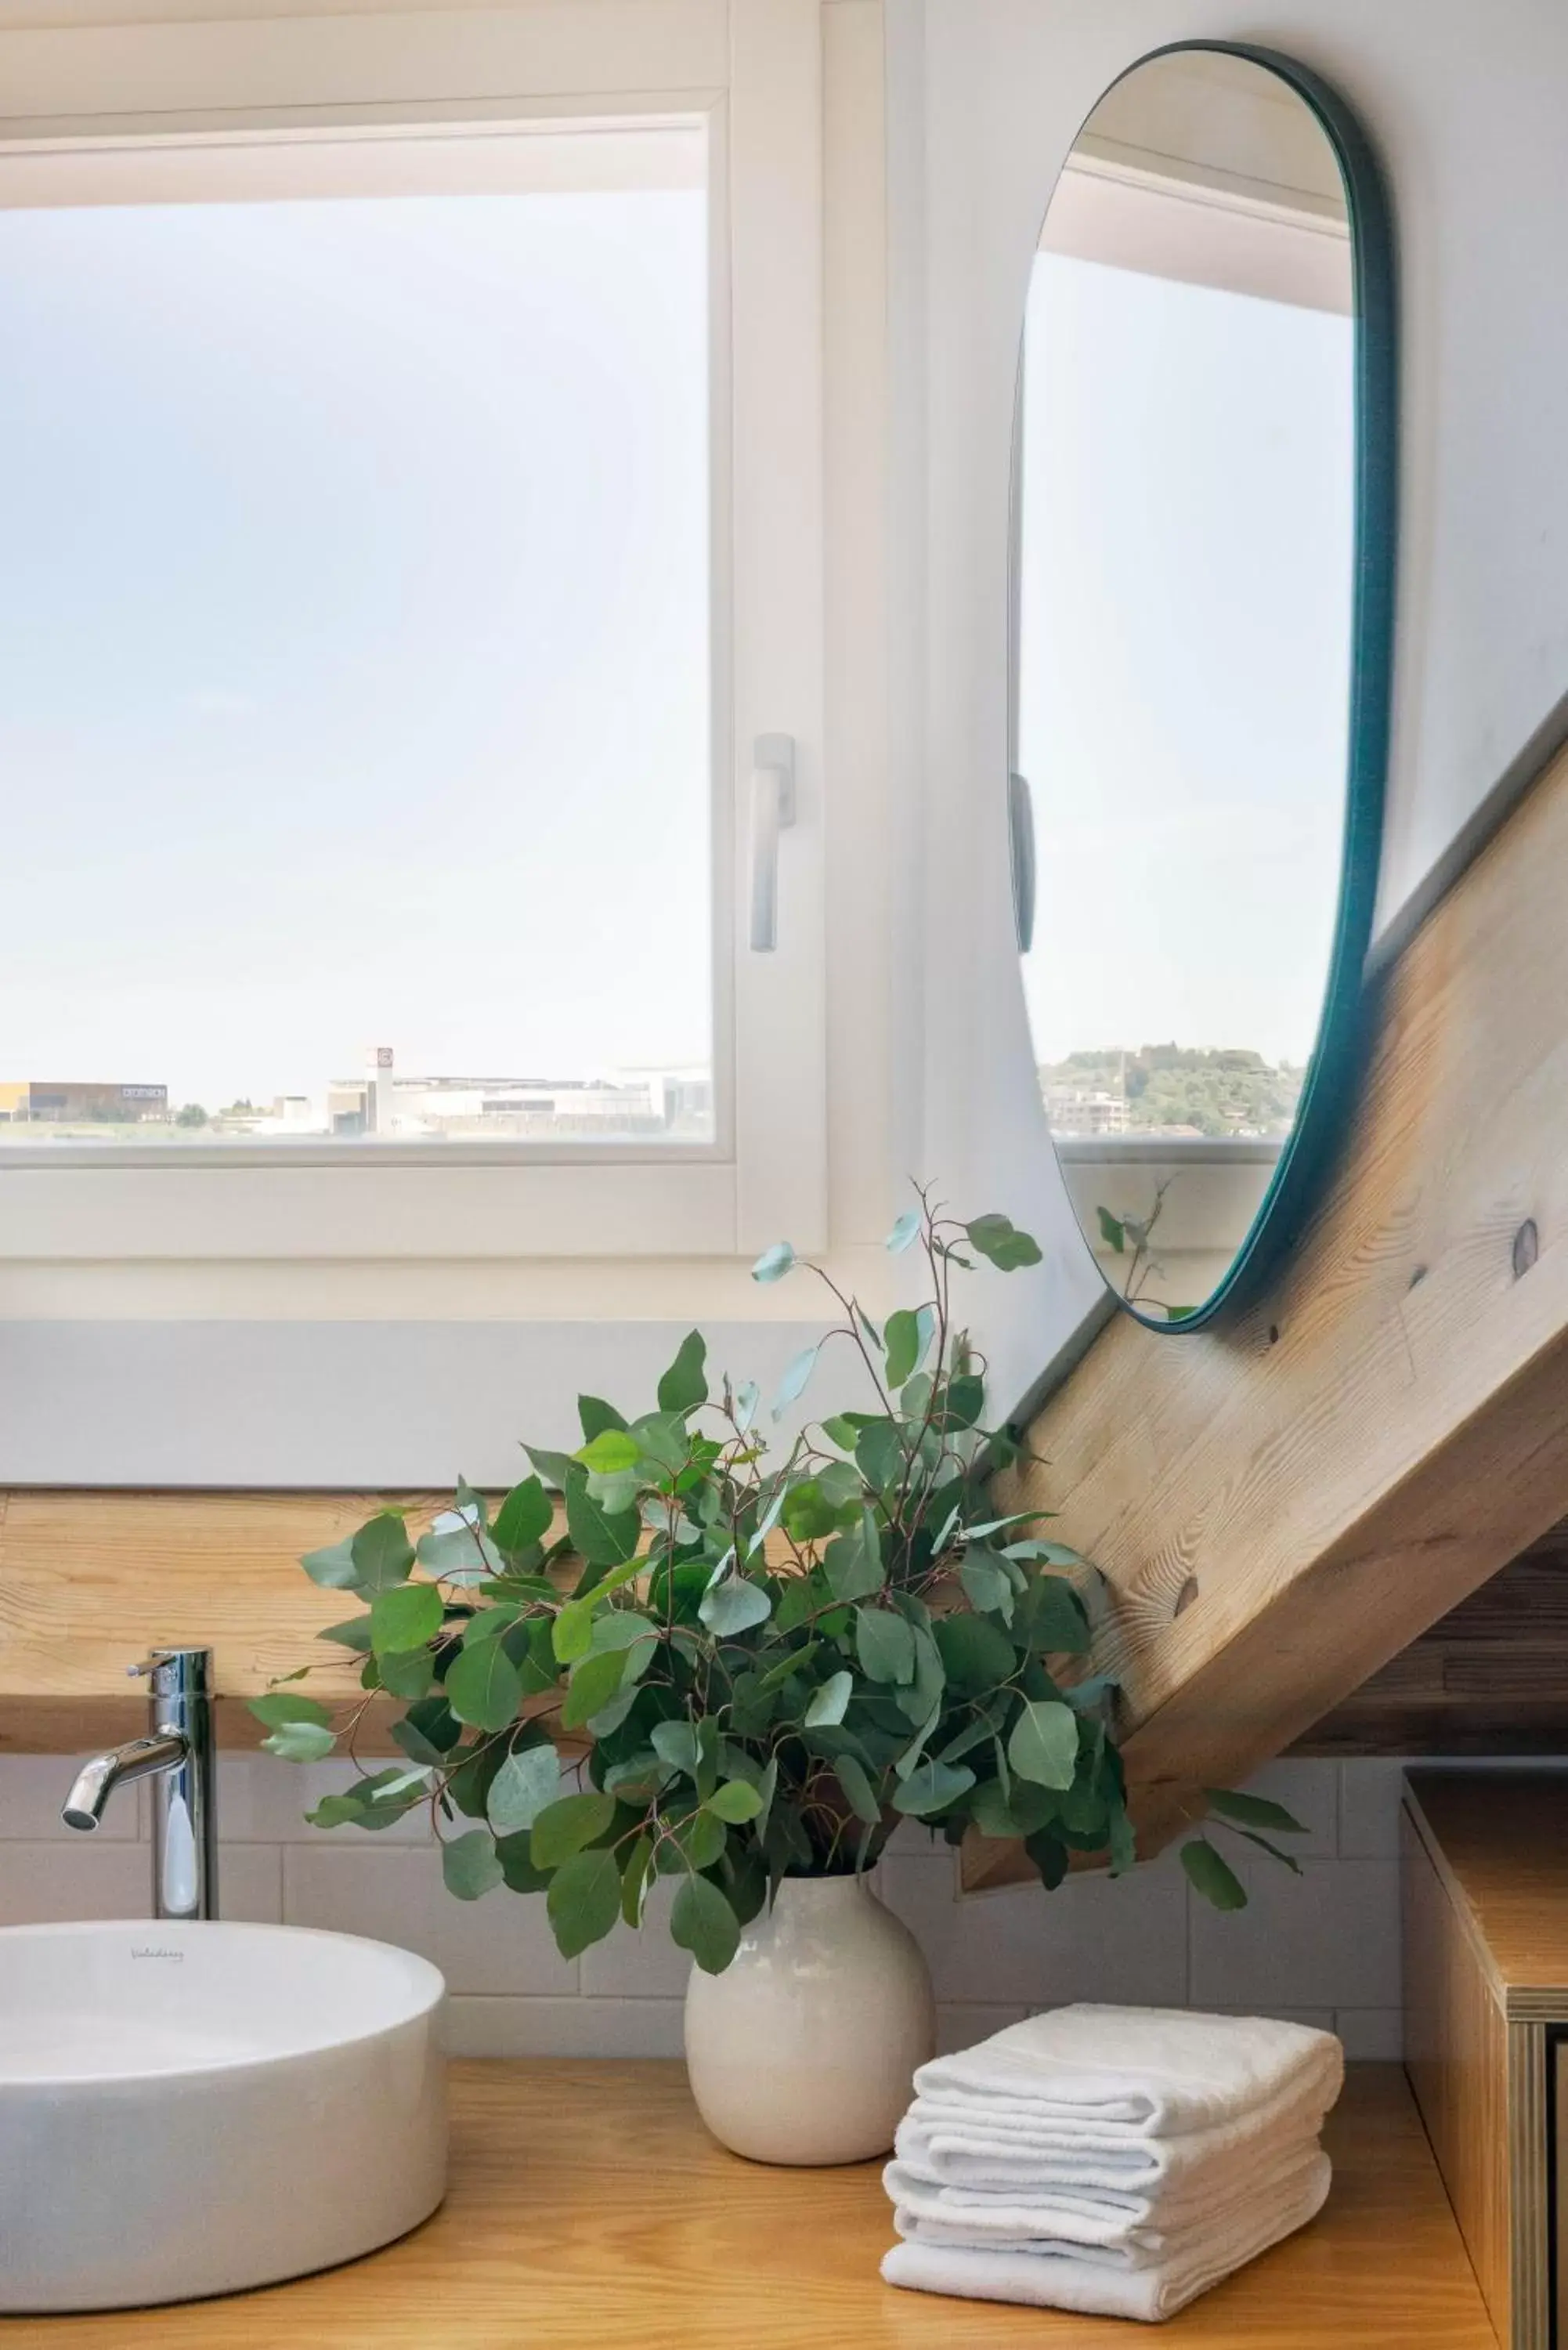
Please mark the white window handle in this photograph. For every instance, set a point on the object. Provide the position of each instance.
(772, 808)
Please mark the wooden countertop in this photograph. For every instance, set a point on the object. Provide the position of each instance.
(589, 2208)
(1498, 1840)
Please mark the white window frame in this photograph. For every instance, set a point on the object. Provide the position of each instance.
(750, 72)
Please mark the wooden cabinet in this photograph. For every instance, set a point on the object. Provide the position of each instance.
(1485, 1859)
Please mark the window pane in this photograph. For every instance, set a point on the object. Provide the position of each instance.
(355, 703)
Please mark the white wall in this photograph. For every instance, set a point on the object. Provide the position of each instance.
(1464, 105)
(1322, 1947)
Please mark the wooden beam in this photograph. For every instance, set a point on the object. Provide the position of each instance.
(90, 1581)
(1280, 1505)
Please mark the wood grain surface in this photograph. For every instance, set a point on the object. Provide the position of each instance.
(1498, 1840)
(1282, 1504)
(589, 2208)
(1456, 2056)
(90, 1581)
(1490, 1677)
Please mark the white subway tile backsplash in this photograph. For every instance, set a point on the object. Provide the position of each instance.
(1309, 1791)
(250, 1884)
(44, 1884)
(261, 1800)
(1369, 1797)
(1372, 2034)
(500, 1944)
(1318, 2019)
(643, 1963)
(1091, 1939)
(1323, 1947)
(1329, 1937)
(962, 2025)
(563, 2027)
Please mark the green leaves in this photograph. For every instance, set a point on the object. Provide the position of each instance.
(595, 1680)
(584, 1900)
(483, 1686)
(407, 1616)
(976, 1654)
(301, 1741)
(734, 1605)
(300, 1726)
(381, 1551)
(853, 1562)
(1252, 1811)
(796, 1374)
(999, 1239)
(564, 1826)
(685, 1384)
(703, 1922)
(676, 1743)
(884, 1644)
(735, 1802)
(333, 1568)
(1113, 1232)
(374, 1559)
(605, 1537)
(528, 1783)
(469, 1866)
(595, 1414)
(858, 1791)
(1051, 1618)
(987, 1584)
(1043, 1742)
(459, 1554)
(810, 1511)
(931, 1787)
(1249, 1815)
(828, 1706)
(281, 1705)
(1020, 1809)
(612, 1450)
(906, 1337)
(746, 1719)
(1212, 1875)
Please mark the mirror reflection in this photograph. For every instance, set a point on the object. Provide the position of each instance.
(1184, 550)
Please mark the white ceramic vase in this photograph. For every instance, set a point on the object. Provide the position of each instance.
(802, 2050)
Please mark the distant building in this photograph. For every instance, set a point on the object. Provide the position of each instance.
(1084, 1109)
(657, 1102)
(71, 1102)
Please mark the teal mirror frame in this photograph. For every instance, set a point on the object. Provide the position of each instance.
(1328, 1092)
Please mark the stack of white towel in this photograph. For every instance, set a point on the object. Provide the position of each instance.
(1114, 2160)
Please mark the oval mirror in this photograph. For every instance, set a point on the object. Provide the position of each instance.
(1202, 558)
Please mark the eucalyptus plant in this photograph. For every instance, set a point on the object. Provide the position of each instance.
(764, 1663)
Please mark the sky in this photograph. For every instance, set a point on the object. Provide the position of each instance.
(1185, 584)
(354, 639)
(354, 644)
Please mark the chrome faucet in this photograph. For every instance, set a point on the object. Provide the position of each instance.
(177, 1756)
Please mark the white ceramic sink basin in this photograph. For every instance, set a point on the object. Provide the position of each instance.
(189, 2109)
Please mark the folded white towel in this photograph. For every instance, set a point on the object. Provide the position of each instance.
(1076, 2282)
(978, 2146)
(1138, 2227)
(1087, 2077)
